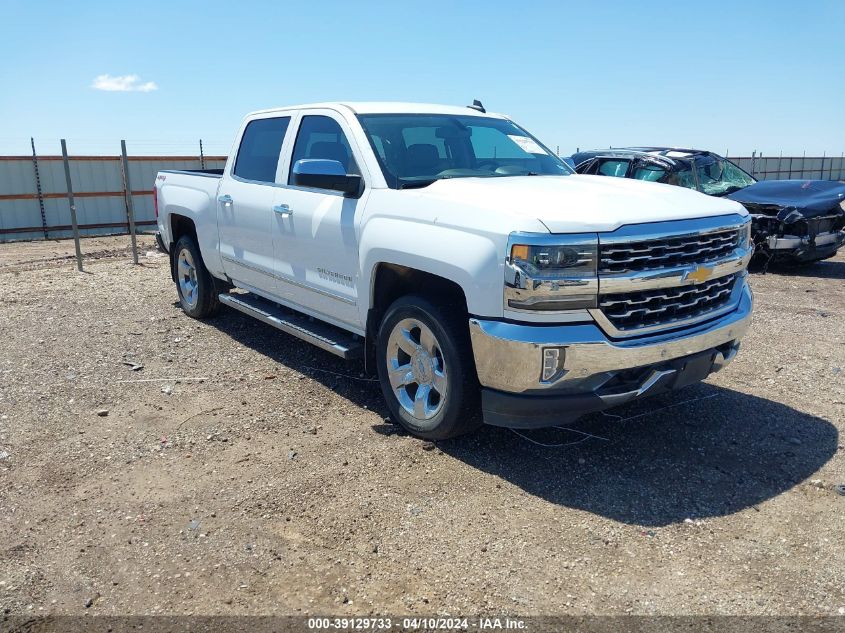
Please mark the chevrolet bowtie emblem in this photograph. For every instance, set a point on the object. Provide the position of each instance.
(702, 273)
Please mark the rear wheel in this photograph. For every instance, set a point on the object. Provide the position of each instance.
(426, 371)
(195, 285)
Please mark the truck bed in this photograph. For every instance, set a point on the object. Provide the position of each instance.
(209, 173)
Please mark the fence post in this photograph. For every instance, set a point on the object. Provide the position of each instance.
(202, 157)
(72, 207)
(38, 188)
(130, 209)
(821, 170)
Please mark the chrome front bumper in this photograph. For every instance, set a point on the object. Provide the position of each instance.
(595, 371)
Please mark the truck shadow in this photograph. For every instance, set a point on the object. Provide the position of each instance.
(711, 452)
(823, 270)
(702, 452)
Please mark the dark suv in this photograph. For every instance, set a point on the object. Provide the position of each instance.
(793, 220)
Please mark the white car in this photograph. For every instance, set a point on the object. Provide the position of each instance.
(461, 259)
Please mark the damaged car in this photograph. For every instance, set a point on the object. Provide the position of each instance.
(794, 221)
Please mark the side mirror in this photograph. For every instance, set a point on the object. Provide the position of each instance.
(321, 173)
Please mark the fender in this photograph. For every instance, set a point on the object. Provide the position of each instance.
(200, 206)
(474, 261)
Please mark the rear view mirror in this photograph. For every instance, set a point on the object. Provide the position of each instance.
(321, 173)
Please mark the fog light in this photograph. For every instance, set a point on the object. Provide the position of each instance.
(553, 359)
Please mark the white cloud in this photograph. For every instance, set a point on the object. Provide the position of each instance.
(122, 83)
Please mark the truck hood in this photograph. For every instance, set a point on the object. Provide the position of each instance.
(576, 204)
(810, 198)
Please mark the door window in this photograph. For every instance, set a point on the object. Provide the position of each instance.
(321, 137)
(614, 167)
(261, 145)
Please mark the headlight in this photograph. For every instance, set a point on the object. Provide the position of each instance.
(745, 235)
(551, 272)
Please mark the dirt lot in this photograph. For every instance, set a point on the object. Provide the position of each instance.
(274, 484)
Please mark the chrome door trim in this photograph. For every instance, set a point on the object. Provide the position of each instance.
(292, 282)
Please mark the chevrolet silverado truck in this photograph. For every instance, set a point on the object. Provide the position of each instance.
(470, 267)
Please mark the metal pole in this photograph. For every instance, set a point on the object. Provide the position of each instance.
(38, 188)
(202, 157)
(821, 171)
(72, 207)
(130, 209)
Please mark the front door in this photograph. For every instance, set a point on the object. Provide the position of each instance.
(245, 206)
(314, 229)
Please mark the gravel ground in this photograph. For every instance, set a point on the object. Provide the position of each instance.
(154, 464)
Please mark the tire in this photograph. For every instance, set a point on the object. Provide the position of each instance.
(194, 284)
(425, 347)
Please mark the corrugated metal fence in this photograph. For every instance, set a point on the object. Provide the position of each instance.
(33, 193)
(34, 205)
(789, 167)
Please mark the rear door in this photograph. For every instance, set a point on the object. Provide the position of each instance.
(245, 205)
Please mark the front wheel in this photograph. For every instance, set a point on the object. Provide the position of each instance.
(195, 285)
(426, 371)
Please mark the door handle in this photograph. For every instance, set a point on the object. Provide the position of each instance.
(225, 199)
(283, 210)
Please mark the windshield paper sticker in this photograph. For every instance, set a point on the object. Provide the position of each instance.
(527, 144)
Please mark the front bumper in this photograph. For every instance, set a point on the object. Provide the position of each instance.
(820, 246)
(596, 372)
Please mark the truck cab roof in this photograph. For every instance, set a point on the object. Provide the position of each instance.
(384, 107)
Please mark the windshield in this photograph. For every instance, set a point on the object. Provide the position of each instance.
(718, 176)
(415, 150)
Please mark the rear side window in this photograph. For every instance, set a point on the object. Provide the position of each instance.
(321, 137)
(261, 144)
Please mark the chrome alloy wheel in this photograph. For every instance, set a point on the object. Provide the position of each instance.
(416, 369)
(186, 274)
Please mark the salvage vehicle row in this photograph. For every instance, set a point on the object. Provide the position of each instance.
(794, 221)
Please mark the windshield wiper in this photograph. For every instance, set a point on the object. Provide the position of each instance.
(417, 184)
(729, 190)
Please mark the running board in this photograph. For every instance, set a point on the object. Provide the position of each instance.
(325, 336)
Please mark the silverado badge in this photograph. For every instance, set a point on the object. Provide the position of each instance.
(697, 275)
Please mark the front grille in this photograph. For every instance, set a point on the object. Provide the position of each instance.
(667, 252)
(635, 310)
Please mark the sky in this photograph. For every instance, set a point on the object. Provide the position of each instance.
(730, 77)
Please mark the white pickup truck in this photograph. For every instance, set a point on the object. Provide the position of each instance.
(462, 259)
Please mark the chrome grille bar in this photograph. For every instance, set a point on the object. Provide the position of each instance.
(634, 310)
(671, 251)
